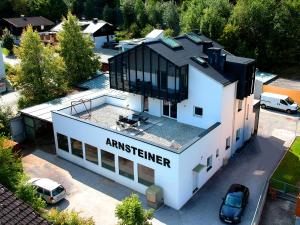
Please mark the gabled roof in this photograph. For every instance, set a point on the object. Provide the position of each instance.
(14, 211)
(89, 27)
(154, 34)
(35, 21)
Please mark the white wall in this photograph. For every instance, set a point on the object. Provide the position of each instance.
(203, 92)
(155, 108)
(198, 154)
(2, 68)
(245, 121)
(99, 41)
(227, 118)
(164, 176)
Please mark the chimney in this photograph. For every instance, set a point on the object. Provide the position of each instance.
(216, 59)
(23, 16)
(206, 45)
(95, 20)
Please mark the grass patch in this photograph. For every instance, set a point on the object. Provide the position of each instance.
(289, 169)
(5, 51)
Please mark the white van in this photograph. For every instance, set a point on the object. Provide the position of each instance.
(49, 190)
(277, 101)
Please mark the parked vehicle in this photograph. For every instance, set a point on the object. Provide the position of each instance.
(277, 101)
(49, 190)
(234, 203)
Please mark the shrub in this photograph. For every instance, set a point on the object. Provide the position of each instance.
(67, 218)
(7, 40)
(131, 212)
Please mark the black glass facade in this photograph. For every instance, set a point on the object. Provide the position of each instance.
(142, 71)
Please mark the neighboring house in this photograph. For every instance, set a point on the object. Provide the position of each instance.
(100, 31)
(16, 25)
(14, 211)
(175, 112)
(155, 34)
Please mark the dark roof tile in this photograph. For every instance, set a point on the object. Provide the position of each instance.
(14, 211)
(35, 21)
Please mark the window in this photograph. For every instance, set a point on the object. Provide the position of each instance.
(145, 175)
(227, 143)
(126, 168)
(240, 105)
(209, 163)
(283, 102)
(91, 153)
(198, 111)
(76, 147)
(46, 192)
(108, 160)
(62, 142)
(169, 109)
(217, 153)
(238, 133)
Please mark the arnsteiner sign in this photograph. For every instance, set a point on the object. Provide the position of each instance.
(137, 151)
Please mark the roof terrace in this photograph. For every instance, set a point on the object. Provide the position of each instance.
(161, 131)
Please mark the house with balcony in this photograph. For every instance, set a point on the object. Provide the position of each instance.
(175, 111)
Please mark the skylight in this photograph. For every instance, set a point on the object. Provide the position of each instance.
(199, 60)
(194, 37)
(171, 42)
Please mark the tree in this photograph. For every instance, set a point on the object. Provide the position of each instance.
(67, 218)
(7, 40)
(212, 24)
(154, 12)
(41, 73)
(28, 194)
(108, 14)
(139, 11)
(191, 14)
(77, 51)
(5, 116)
(131, 212)
(127, 9)
(171, 17)
(11, 170)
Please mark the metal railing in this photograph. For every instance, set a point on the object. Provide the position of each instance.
(284, 187)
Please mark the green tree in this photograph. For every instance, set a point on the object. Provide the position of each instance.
(253, 19)
(5, 115)
(108, 14)
(171, 17)
(7, 40)
(139, 11)
(131, 212)
(154, 12)
(41, 73)
(127, 9)
(11, 170)
(212, 24)
(77, 51)
(67, 218)
(191, 14)
(28, 194)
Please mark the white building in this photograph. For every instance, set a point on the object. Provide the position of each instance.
(100, 31)
(176, 111)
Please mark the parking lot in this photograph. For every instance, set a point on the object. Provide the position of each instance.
(96, 196)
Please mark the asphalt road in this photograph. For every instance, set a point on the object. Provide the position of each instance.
(97, 196)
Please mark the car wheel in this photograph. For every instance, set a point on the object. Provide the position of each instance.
(263, 106)
(289, 111)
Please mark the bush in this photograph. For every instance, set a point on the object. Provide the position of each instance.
(7, 40)
(5, 115)
(11, 169)
(28, 194)
(131, 212)
(67, 218)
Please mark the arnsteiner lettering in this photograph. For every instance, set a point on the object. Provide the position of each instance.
(139, 152)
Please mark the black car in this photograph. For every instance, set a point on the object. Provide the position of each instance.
(234, 203)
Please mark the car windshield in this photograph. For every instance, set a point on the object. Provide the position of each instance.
(58, 190)
(290, 101)
(234, 200)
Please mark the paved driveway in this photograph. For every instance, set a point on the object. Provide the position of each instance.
(97, 196)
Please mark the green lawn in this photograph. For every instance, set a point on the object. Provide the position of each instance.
(5, 51)
(289, 168)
